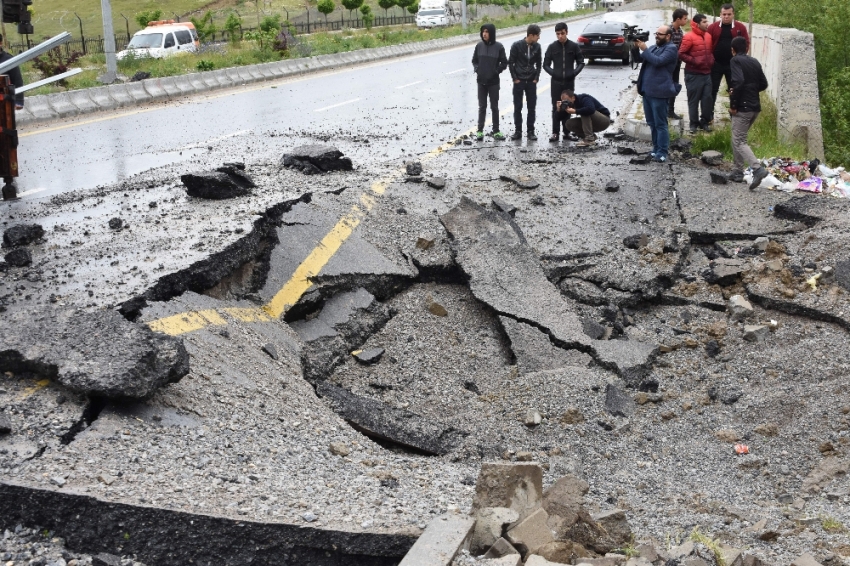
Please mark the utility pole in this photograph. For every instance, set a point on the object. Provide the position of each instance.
(463, 14)
(108, 44)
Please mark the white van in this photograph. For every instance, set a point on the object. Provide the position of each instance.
(437, 13)
(162, 39)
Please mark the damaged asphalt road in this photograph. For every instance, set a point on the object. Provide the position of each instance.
(588, 330)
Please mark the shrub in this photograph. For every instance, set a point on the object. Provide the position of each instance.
(835, 104)
(271, 23)
(204, 65)
(205, 26)
(368, 17)
(233, 27)
(143, 18)
(54, 62)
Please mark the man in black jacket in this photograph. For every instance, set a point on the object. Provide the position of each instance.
(588, 116)
(563, 61)
(489, 61)
(525, 62)
(748, 81)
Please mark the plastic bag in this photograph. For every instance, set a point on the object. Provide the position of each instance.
(825, 171)
(810, 185)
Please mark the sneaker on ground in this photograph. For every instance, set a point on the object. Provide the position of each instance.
(660, 158)
(758, 176)
(498, 136)
(479, 136)
(587, 142)
(531, 136)
(517, 136)
(554, 137)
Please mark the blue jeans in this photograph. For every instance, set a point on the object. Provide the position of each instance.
(655, 111)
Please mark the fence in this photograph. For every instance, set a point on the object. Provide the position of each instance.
(90, 45)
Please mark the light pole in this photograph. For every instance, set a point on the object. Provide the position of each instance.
(108, 44)
(463, 14)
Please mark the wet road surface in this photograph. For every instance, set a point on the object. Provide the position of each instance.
(415, 102)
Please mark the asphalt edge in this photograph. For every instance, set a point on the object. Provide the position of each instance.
(68, 104)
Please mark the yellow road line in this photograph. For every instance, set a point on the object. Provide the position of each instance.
(301, 279)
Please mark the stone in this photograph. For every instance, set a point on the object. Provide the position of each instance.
(616, 529)
(490, 526)
(224, 183)
(510, 560)
(22, 235)
(140, 76)
(316, 158)
(636, 241)
(823, 473)
(442, 540)
(524, 456)
(564, 503)
(731, 556)
(438, 183)
(414, 179)
(572, 415)
(19, 257)
(503, 206)
(58, 481)
(612, 186)
(309, 517)
(756, 333)
(424, 243)
(711, 157)
(681, 551)
(515, 486)
(761, 243)
(339, 449)
(105, 479)
(563, 552)
(413, 168)
(532, 418)
(271, 350)
(638, 561)
(5, 424)
(724, 271)
(718, 178)
(622, 150)
(368, 357)
(99, 353)
(648, 551)
(739, 308)
(502, 548)
(115, 223)
(531, 533)
(104, 559)
(521, 181)
(617, 402)
(381, 421)
(593, 329)
(437, 309)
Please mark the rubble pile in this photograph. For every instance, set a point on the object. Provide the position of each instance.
(314, 159)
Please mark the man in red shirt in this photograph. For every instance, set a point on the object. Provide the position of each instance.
(721, 34)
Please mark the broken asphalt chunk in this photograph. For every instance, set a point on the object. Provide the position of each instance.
(367, 357)
(642, 160)
(271, 351)
(718, 178)
(381, 421)
(622, 150)
(316, 158)
(612, 186)
(20, 257)
(413, 168)
(5, 424)
(504, 206)
(521, 181)
(723, 271)
(618, 403)
(711, 157)
(226, 182)
(22, 235)
(438, 183)
(98, 353)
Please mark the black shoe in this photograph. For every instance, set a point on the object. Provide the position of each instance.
(673, 116)
(554, 137)
(758, 176)
(517, 136)
(736, 177)
(531, 136)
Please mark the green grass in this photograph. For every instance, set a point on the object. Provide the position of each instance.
(764, 138)
(712, 544)
(247, 52)
(832, 525)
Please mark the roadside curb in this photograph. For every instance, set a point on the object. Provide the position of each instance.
(47, 107)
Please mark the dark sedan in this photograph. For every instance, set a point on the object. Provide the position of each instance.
(604, 40)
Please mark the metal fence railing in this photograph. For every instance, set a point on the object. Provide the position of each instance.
(90, 45)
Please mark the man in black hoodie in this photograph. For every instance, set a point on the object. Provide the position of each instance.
(525, 62)
(563, 61)
(489, 61)
(747, 82)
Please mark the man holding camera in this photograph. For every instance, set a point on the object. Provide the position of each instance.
(655, 84)
(563, 61)
(588, 116)
(524, 63)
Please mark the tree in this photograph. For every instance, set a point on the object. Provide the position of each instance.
(326, 7)
(144, 18)
(368, 16)
(405, 5)
(386, 5)
(271, 23)
(413, 8)
(205, 26)
(233, 27)
(351, 5)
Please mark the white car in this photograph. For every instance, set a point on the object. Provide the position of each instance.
(430, 18)
(162, 39)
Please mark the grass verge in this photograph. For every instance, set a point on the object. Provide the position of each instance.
(249, 53)
(764, 138)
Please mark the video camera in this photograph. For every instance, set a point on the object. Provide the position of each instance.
(634, 33)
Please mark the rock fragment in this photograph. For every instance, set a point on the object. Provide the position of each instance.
(437, 309)
(564, 502)
(515, 486)
(5, 424)
(711, 157)
(723, 271)
(532, 418)
(413, 168)
(739, 308)
(22, 235)
(424, 243)
(756, 333)
(503, 206)
(501, 548)
(339, 449)
(521, 181)
(116, 223)
(531, 533)
(617, 402)
(227, 182)
(718, 178)
(271, 350)
(490, 525)
(104, 559)
(368, 357)
(612, 186)
(19, 257)
(438, 183)
(316, 158)
(563, 552)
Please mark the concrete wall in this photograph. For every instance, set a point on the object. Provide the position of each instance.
(788, 59)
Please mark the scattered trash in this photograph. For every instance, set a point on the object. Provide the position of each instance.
(741, 449)
(809, 176)
(813, 281)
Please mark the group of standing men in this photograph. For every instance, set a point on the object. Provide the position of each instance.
(710, 53)
(579, 114)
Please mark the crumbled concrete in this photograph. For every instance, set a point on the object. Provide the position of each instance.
(22, 235)
(313, 158)
(226, 182)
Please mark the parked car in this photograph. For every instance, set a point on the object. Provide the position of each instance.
(162, 39)
(604, 40)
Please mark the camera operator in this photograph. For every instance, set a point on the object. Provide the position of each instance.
(563, 61)
(655, 84)
(582, 114)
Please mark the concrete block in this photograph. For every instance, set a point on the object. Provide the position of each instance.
(245, 75)
(490, 524)
(40, 108)
(169, 85)
(82, 100)
(440, 542)
(265, 70)
(233, 77)
(120, 96)
(184, 84)
(102, 97)
(279, 68)
(138, 92)
(62, 105)
(502, 548)
(201, 82)
(155, 90)
(531, 533)
(24, 116)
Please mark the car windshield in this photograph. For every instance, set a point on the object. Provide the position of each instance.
(145, 40)
(432, 13)
(605, 28)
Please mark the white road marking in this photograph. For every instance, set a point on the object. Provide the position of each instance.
(410, 84)
(213, 140)
(336, 105)
(456, 71)
(30, 192)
